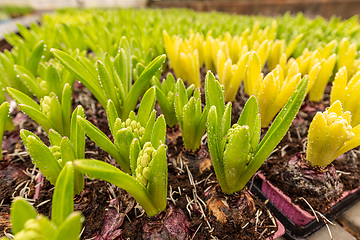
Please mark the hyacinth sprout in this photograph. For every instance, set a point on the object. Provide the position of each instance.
(235, 150)
(148, 182)
(141, 126)
(330, 135)
(347, 92)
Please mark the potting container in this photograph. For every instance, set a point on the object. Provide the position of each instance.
(299, 224)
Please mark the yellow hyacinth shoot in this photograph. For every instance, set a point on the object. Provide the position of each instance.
(347, 53)
(330, 135)
(184, 58)
(291, 47)
(347, 93)
(326, 69)
(272, 92)
(276, 50)
(190, 64)
(253, 70)
(231, 75)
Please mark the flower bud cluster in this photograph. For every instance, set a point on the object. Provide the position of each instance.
(344, 119)
(45, 105)
(142, 171)
(56, 152)
(32, 230)
(230, 134)
(133, 126)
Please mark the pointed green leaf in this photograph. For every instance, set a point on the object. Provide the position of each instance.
(103, 142)
(214, 94)
(20, 211)
(54, 137)
(111, 115)
(213, 143)
(157, 183)
(66, 103)
(56, 115)
(167, 108)
(38, 117)
(189, 125)
(42, 157)
(148, 128)
(146, 106)
(77, 135)
(35, 57)
(63, 202)
(225, 122)
(135, 149)
(71, 227)
(158, 135)
(67, 150)
(109, 173)
(139, 86)
(29, 80)
(22, 98)
(107, 83)
(53, 81)
(81, 74)
(235, 156)
(124, 44)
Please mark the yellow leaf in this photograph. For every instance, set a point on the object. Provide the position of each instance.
(317, 90)
(335, 139)
(303, 63)
(236, 78)
(290, 49)
(220, 63)
(352, 102)
(253, 71)
(263, 52)
(275, 53)
(352, 143)
(312, 75)
(282, 98)
(335, 108)
(338, 86)
(292, 69)
(227, 73)
(209, 64)
(316, 139)
(328, 49)
(254, 34)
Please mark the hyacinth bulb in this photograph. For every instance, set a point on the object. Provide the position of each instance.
(330, 135)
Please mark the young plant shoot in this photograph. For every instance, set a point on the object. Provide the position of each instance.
(4, 113)
(50, 160)
(141, 126)
(112, 79)
(191, 117)
(330, 135)
(50, 113)
(273, 91)
(64, 224)
(165, 95)
(347, 93)
(235, 150)
(148, 182)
